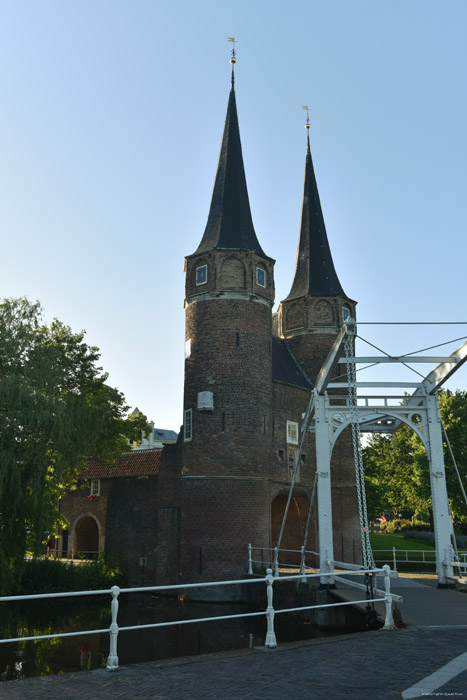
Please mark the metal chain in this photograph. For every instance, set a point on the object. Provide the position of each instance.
(367, 553)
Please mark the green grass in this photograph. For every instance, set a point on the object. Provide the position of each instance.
(388, 541)
(384, 541)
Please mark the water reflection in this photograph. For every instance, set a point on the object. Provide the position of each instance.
(22, 660)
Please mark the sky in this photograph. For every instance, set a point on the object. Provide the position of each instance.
(111, 121)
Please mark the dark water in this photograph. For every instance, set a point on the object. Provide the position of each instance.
(27, 618)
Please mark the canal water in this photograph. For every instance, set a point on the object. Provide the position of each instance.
(55, 656)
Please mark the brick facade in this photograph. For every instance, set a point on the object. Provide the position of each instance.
(122, 520)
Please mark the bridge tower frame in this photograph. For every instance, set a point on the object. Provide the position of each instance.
(333, 413)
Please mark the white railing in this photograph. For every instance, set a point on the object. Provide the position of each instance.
(272, 559)
(72, 554)
(428, 556)
(461, 565)
(270, 612)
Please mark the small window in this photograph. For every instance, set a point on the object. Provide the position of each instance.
(260, 277)
(187, 425)
(280, 454)
(292, 433)
(345, 313)
(95, 487)
(201, 274)
(188, 348)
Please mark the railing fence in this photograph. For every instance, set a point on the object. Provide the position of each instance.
(415, 556)
(270, 558)
(269, 613)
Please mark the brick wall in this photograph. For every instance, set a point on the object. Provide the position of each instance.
(231, 357)
(131, 527)
(76, 505)
(168, 514)
(219, 518)
(126, 517)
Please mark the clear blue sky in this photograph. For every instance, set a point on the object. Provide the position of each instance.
(110, 126)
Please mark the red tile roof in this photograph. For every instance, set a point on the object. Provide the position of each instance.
(134, 463)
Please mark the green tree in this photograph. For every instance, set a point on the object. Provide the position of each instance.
(395, 476)
(55, 410)
(396, 466)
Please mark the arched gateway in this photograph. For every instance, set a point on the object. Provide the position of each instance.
(86, 537)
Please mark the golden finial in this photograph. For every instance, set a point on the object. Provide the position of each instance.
(307, 125)
(233, 60)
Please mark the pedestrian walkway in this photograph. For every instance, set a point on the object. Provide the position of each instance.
(423, 605)
(416, 661)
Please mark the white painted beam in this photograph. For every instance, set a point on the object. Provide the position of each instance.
(405, 359)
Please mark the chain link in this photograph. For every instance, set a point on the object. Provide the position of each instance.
(367, 553)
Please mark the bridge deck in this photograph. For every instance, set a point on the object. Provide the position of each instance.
(424, 604)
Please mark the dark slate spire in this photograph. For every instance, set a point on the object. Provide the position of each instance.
(314, 269)
(229, 223)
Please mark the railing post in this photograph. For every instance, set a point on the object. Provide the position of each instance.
(276, 562)
(394, 559)
(389, 621)
(270, 635)
(112, 659)
(302, 564)
(250, 567)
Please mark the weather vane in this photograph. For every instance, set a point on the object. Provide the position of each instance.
(306, 108)
(233, 60)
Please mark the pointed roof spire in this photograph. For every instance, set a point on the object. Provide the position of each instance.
(230, 224)
(314, 268)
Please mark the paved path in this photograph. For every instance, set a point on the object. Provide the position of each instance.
(378, 665)
(372, 666)
(423, 604)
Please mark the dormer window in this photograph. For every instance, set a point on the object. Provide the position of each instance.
(201, 274)
(260, 277)
(345, 313)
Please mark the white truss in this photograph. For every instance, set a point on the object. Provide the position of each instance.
(382, 413)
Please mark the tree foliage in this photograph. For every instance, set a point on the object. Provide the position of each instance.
(396, 466)
(55, 410)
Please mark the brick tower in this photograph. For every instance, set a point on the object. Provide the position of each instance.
(313, 312)
(309, 320)
(228, 387)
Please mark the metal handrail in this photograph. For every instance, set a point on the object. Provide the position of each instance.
(269, 579)
(275, 561)
(397, 559)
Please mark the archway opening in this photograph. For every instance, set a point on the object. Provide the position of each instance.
(295, 526)
(87, 537)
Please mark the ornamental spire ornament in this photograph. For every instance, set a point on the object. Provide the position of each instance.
(233, 59)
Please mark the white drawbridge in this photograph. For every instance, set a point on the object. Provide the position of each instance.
(331, 412)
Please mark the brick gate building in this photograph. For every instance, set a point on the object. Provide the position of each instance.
(248, 377)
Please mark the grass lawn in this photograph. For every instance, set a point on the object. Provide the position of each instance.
(414, 561)
(388, 541)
